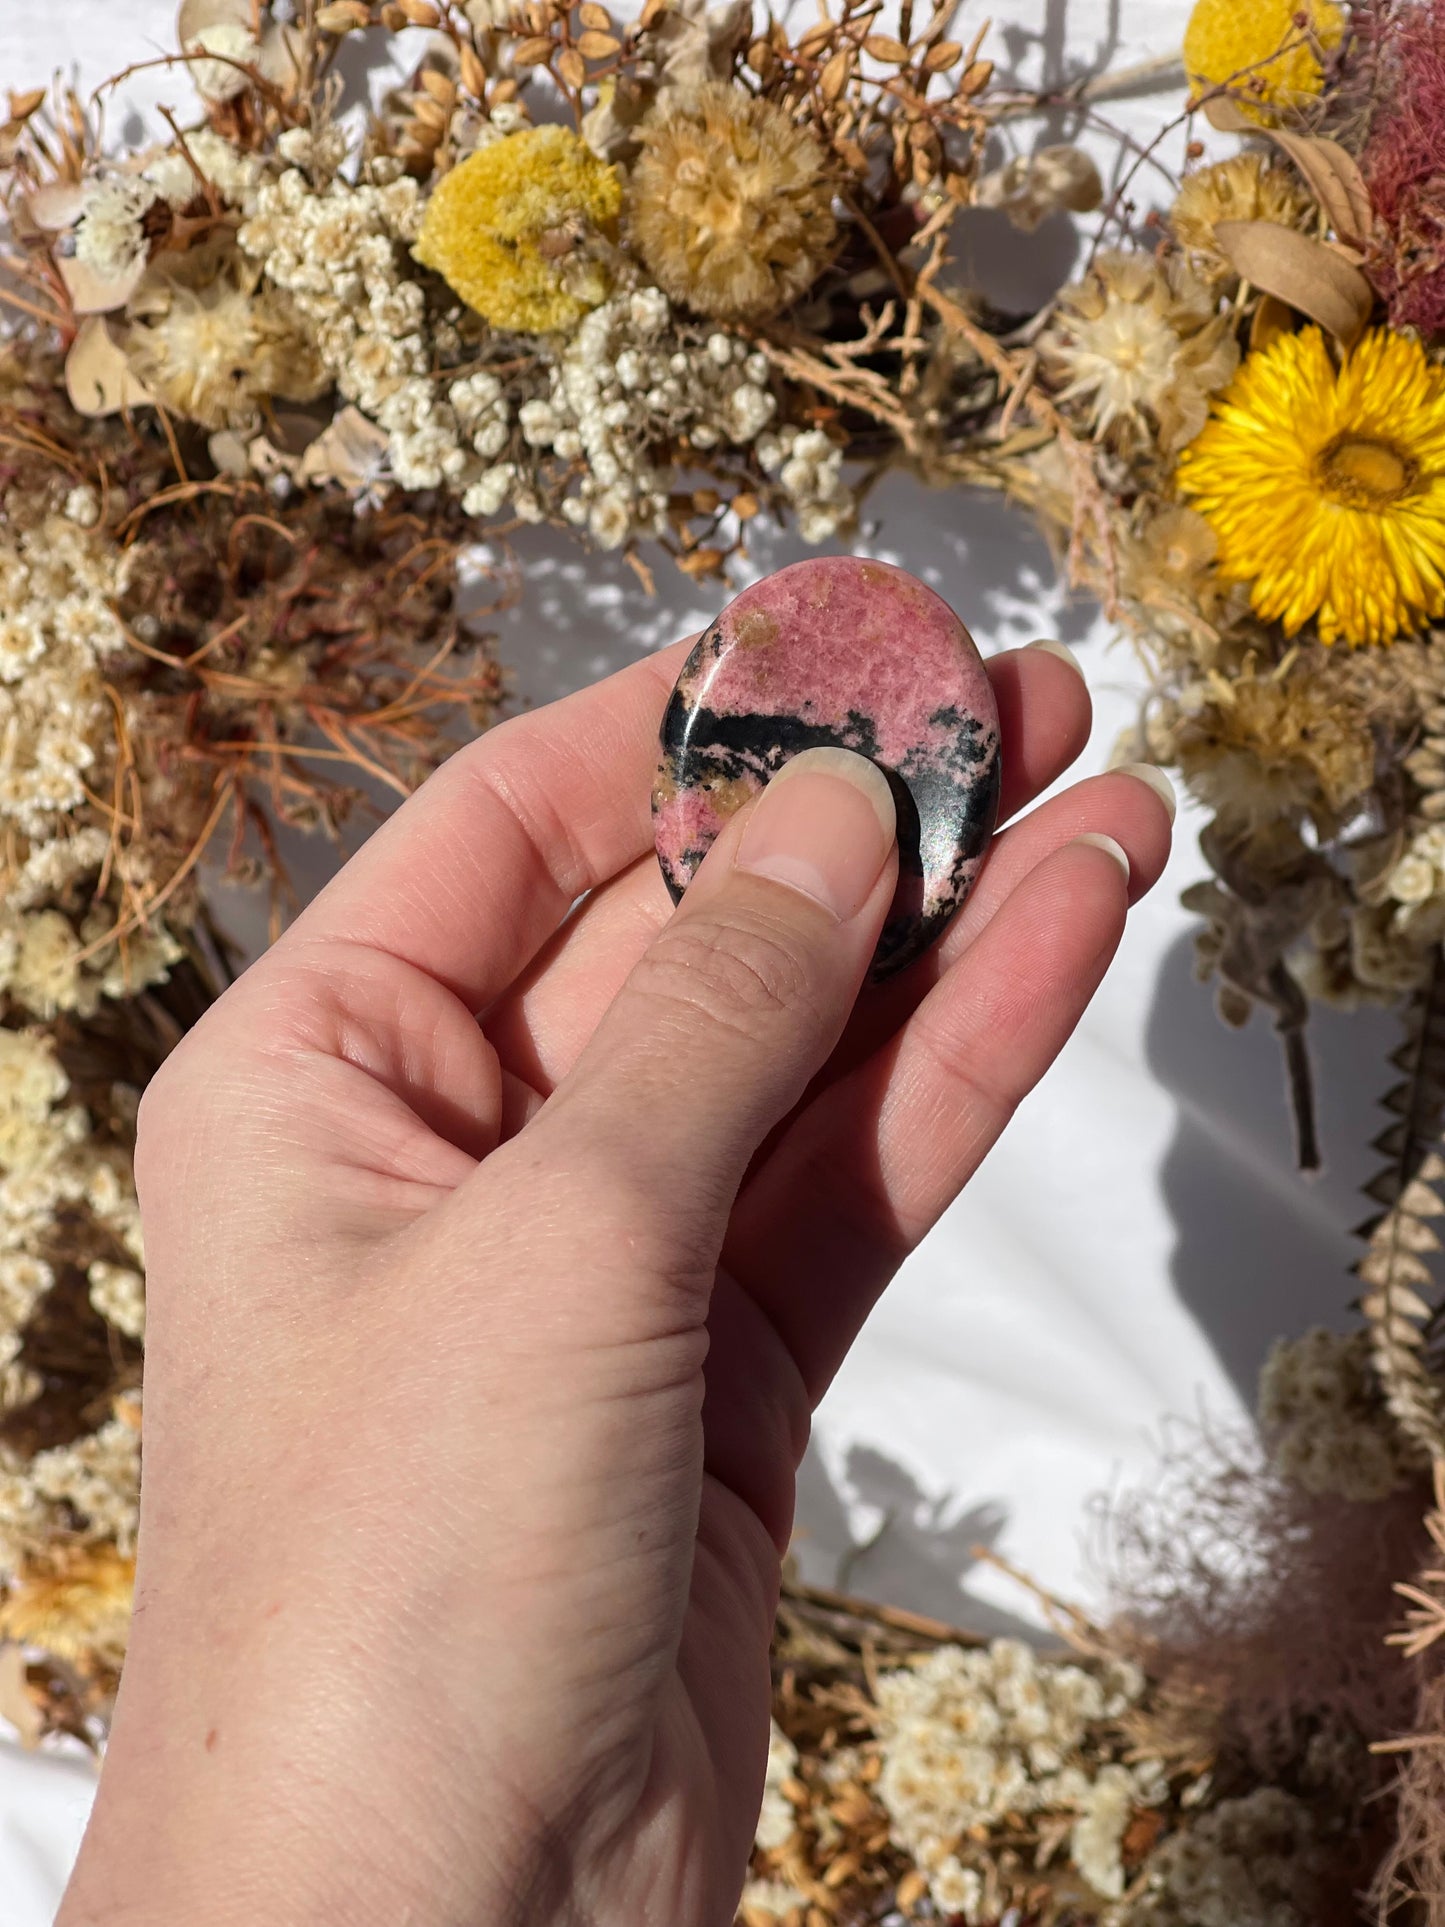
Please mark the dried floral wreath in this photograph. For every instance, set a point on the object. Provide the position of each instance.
(269, 382)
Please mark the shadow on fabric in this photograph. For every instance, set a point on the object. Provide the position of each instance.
(919, 1556)
(1259, 1249)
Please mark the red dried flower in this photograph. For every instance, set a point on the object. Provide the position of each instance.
(1404, 165)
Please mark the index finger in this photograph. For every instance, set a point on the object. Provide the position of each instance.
(469, 878)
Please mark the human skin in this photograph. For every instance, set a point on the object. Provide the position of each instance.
(481, 1354)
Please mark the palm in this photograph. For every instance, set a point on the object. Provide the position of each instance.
(386, 1128)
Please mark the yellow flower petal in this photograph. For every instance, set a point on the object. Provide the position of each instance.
(1326, 487)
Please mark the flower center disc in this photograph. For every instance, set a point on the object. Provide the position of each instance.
(1364, 473)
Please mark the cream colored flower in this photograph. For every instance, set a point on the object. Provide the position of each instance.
(109, 237)
(1139, 346)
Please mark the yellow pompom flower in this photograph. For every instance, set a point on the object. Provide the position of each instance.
(512, 229)
(1258, 49)
(1326, 487)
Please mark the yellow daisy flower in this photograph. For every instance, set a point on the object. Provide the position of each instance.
(1258, 48)
(1326, 487)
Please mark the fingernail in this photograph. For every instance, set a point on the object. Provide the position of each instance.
(1157, 781)
(1098, 841)
(1064, 654)
(823, 826)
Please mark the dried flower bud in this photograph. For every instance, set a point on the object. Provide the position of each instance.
(729, 205)
(1033, 186)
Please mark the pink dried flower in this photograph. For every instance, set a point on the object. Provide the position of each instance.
(1404, 165)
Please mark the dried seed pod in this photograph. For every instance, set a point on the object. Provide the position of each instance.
(343, 16)
(421, 13)
(473, 73)
(441, 89)
(942, 55)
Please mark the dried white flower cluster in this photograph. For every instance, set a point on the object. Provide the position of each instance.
(809, 469)
(337, 252)
(1321, 1412)
(57, 628)
(109, 238)
(87, 1491)
(623, 386)
(622, 390)
(50, 1164)
(971, 1736)
(56, 625)
(1246, 1863)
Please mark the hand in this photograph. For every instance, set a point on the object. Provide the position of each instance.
(481, 1354)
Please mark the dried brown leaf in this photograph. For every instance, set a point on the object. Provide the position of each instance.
(22, 106)
(761, 59)
(55, 206)
(1301, 271)
(976, 79)
(197, 16)
(98, 377)
(17, 1703)
(942, 55)
(1334, 180)
(350, 451)
(598, 46)
(1223, 113)
(571, 68)
(1272, 318)
(591, 15)
(420, 13)
(884, 47)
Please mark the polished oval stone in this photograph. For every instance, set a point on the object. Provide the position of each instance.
(852, 653)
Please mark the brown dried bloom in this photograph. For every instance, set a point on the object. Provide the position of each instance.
(1245, 188)
(1259, 748)
(1138, 343)
(729, 204)
(211, 345)
(75, 1602)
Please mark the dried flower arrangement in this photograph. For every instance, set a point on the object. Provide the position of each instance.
(267, 382)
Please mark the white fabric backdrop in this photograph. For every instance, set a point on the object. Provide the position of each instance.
(1139, 1236)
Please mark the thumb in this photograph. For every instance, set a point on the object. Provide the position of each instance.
(740, 998)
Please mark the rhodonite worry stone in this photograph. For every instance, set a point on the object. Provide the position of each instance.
(856, 654)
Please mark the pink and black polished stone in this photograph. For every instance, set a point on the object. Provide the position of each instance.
(858, 655)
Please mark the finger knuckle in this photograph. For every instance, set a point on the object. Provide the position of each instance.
(743, 976)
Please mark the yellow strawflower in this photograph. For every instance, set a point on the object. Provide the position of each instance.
(513, 227)
(1256, 47)
(1326, 487)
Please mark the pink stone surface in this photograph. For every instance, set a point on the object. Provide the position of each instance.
(850, 652)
